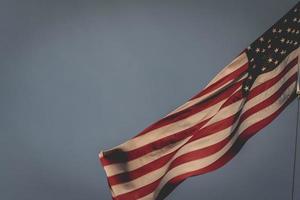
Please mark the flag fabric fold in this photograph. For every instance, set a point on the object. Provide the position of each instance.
(209, 129)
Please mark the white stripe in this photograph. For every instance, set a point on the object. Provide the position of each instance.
(239, 61)
(147, 197)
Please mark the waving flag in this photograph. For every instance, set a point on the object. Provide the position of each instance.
(208, 130)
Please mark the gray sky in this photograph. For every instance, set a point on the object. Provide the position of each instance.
(77, 77)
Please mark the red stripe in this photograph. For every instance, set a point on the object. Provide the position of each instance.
(233, 76)
(141, 192)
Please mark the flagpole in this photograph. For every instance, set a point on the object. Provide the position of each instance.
(296, 137)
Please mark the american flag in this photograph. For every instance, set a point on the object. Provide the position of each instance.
(209, 129)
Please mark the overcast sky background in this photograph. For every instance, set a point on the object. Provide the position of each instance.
(77, 77)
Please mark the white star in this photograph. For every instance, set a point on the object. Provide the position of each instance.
(250, 77)
(263, 69)
(279, 31)
(276, 62)
(276, 50)
(261, 39)
(257, 50)
(270, 60)
(282, 40)
(282, 52)
(288, 30)
(246, 88)
(274, 30)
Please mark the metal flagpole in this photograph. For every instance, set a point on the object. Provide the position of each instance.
(296, 137)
